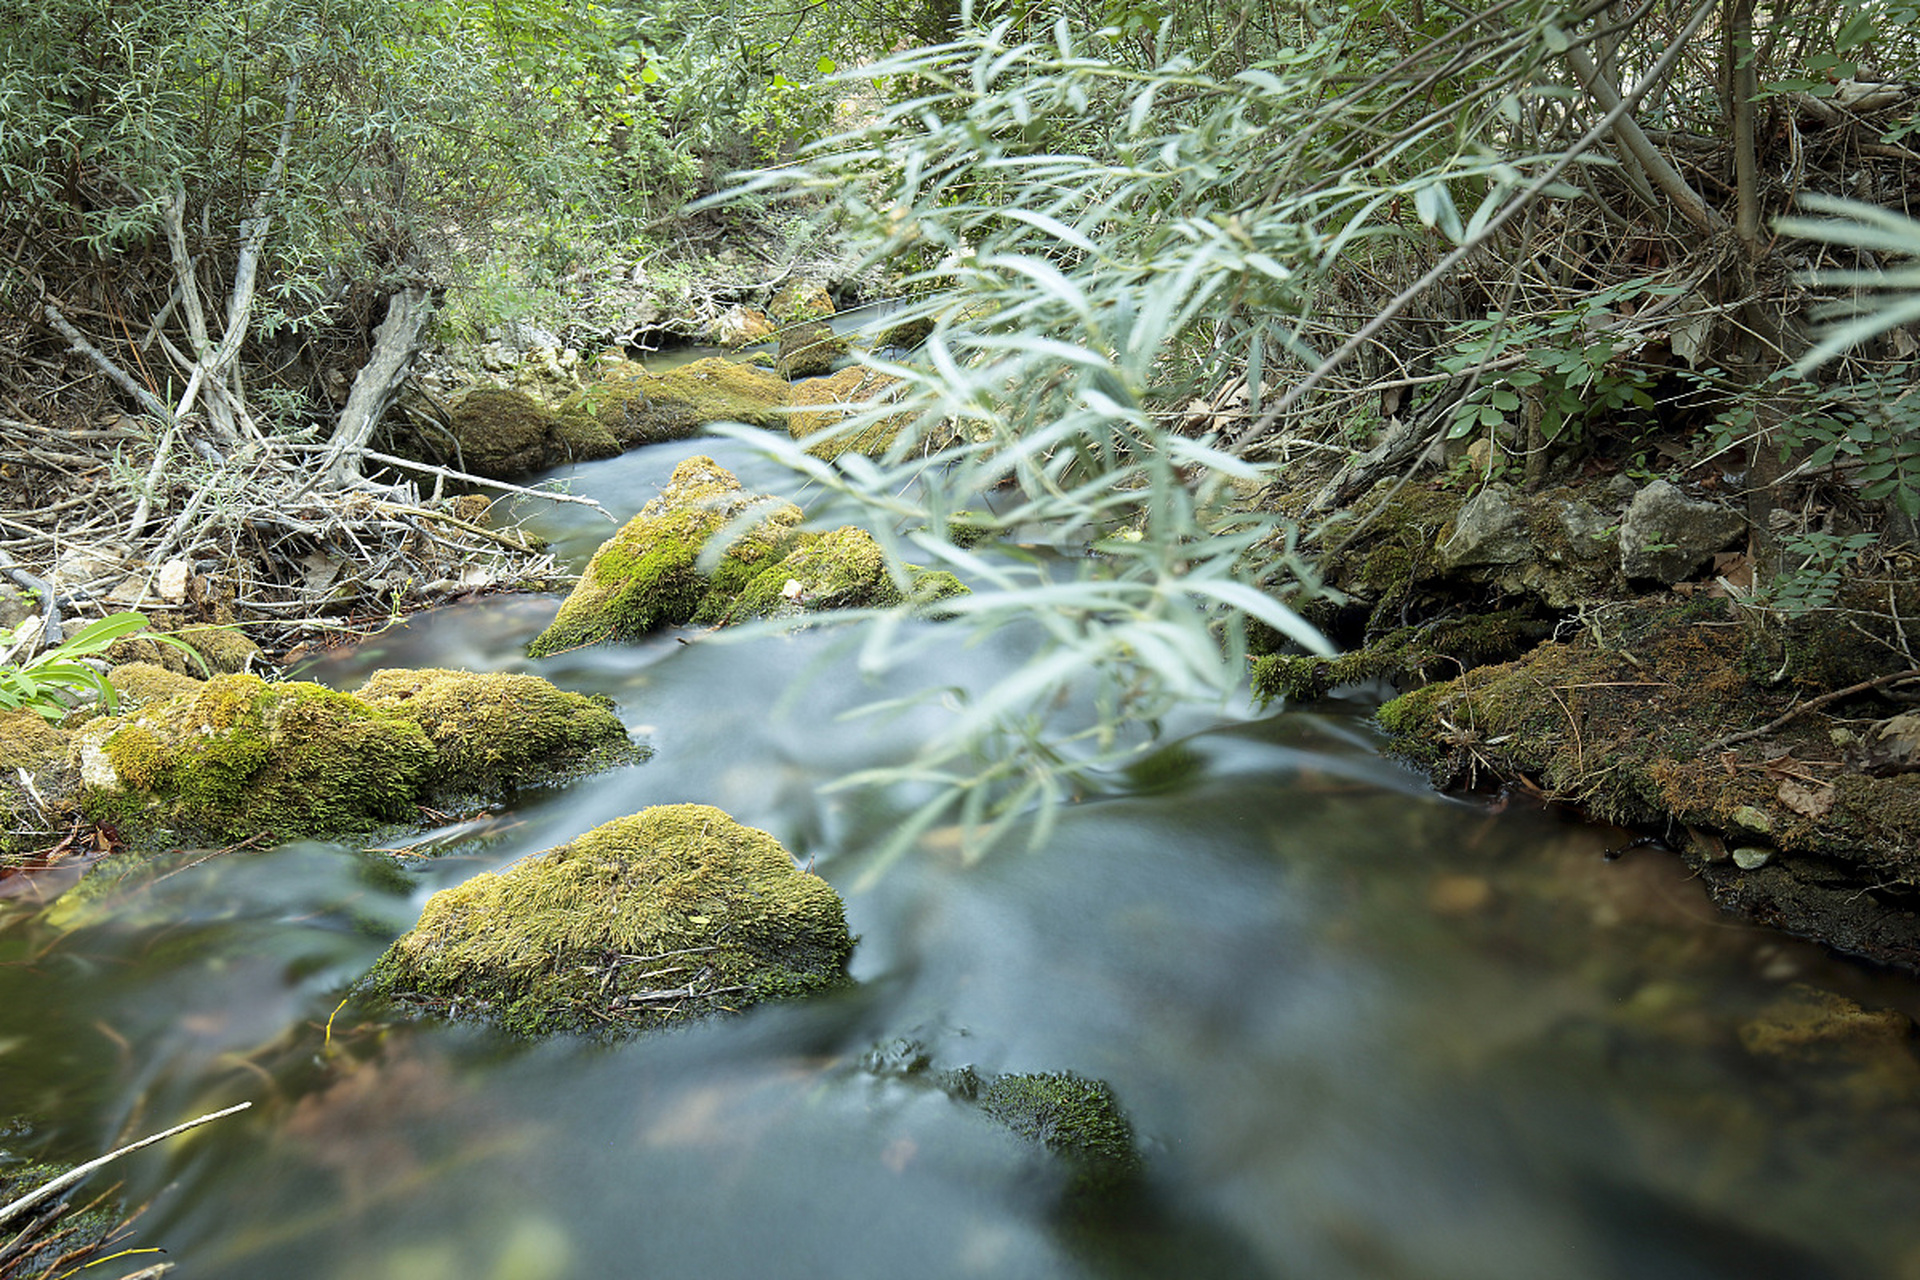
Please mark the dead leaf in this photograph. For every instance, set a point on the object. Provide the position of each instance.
(1808, 801)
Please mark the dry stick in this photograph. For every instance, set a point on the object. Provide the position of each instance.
(73, 1176)
(1499, 220)
(466, 477)
(78, 343)
(1815, 704)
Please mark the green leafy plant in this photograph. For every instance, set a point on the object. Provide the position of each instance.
(1819, 563)
(51, 682)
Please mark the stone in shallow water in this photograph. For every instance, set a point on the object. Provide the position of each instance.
(676, 912)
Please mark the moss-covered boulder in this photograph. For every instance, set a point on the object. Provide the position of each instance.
(35, 782)
(810, 350)
(495, 731)
(509, 434)
(647, 408)
(241, 757)
(674, 913)
(649, 575)
(135, 684)
(821, 406)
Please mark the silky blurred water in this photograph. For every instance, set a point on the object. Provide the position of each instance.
(1361, 1030)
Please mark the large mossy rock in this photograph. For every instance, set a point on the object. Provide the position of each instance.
(237, 757)
(240, 757)
(648, 575)
(493, 732)
(820, 407)
(506, 435)
(636, 407)
(676, 912)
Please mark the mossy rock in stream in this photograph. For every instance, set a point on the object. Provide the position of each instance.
(241, 757)
(237, 757)
(677, 912)
(818, 411)
(648, 575)
(495, 731)
(810, 350)
(1076, 1119)
(647, 408)
(506, 435)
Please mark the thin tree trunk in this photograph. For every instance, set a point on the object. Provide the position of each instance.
(395, 344)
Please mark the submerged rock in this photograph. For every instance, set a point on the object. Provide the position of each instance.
(676, 912)
(649, 574)
(1077, 1119)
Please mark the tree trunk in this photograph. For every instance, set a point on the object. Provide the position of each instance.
(395, 343)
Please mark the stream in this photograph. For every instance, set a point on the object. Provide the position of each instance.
(1360, 1029)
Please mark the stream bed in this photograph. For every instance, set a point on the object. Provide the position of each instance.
(1360, 1029)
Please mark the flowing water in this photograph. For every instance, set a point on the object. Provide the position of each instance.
(1361, 1030)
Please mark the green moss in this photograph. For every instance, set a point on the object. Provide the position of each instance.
(844, 569)
(222, 649)
(674, 913)
(1445, 646)
(496, 731)
(242, 758)
(1076, 1119)
(654, 407)
(138, 683)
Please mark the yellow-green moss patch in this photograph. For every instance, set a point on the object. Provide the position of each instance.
(820, 408)
(496, 731)
(241, 758)
(676, 912)
(648, 408)
(139, 683)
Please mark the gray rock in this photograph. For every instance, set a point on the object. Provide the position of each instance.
(1752, 857)
(1490, 530)
(1590, 532)
(1668, 537)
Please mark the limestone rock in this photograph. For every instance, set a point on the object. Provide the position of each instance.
(676, 912)
(740, 327)
(1490, 530)
(1668, 537)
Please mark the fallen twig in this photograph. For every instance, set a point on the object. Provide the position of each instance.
(1814, 704)
(78, 1173)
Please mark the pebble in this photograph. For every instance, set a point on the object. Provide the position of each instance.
(1751, 857)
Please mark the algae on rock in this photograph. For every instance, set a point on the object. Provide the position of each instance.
(673, 913)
